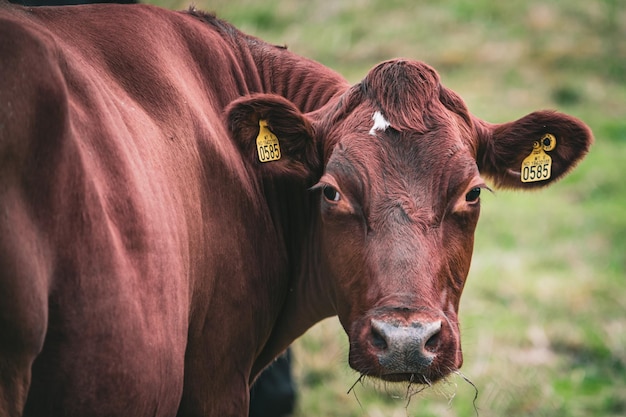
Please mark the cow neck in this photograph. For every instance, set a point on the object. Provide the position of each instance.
(295, 210)
(314, 89)
(308, 300)
(306, 83)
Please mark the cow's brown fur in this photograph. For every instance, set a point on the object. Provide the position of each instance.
(150, 265)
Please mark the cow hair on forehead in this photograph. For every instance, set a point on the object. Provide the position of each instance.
(407, 93)
(410, 95)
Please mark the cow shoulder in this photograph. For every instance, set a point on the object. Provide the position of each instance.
(32, 91)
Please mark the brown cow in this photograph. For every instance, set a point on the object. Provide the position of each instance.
(180, 201)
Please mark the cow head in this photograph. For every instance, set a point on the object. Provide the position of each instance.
(399, 165)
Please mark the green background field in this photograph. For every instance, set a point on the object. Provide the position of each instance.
(544, 311)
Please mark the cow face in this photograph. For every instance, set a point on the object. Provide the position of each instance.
(398, 212)
(397, 202)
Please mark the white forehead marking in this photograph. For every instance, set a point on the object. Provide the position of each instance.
(380, 123)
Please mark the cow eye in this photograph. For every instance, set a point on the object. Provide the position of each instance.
(330, 193)
(473, 195)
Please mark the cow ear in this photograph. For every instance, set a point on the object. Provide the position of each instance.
(274, 136)
(533, 151)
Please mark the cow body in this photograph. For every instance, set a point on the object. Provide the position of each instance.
(132, 204)
(150, 265)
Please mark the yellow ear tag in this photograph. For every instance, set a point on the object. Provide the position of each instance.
(267, 144)
(538, 165)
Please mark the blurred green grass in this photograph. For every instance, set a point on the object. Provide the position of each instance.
(544, 311)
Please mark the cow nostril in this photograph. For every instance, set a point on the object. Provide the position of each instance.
(378, 340)
(433, 342)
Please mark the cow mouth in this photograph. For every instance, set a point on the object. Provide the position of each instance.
(412, 378)
(427, 377)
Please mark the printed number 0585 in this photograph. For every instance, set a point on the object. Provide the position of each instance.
(271, 152)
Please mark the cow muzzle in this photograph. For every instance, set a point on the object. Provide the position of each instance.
(420, 348)
(405, 349)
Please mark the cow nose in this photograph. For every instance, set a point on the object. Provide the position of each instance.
(405, 348)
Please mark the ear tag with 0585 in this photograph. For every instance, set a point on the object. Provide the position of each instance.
(267, 144)
(538, 165)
